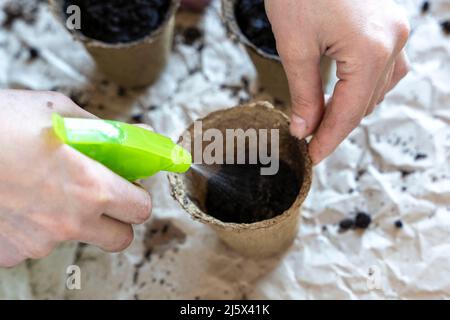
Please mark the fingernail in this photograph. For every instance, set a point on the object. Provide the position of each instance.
(298, 127)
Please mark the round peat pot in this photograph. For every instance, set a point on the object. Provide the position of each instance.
(133, 62)
(266, 207)
(271, 75)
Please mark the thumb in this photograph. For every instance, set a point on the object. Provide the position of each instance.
(300, 55)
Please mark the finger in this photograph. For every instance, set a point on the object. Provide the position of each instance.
(401, 69)
(380, 92)
(9, 255)
(398, 53)
(118, 198)
(127, 202)
(104, 191)
(384, 90)
(348, 105)
(397, 73)
(121, 199)
(108, 234)
(301, 61)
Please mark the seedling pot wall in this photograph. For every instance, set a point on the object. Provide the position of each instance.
(267, 237)
(134, 64)
(271, 75)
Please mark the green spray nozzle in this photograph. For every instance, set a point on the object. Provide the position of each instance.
(130, 151)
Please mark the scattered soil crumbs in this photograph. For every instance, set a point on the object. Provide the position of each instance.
(191, 35)
(121, 91)
(405, 173)
(362, 220)
(33, 54)
(240, 194)
(403, 144)
(359, 174)
(161, 236)
(420, 156)
(137, 118)
(425, 7)
(252, 19)
(19, 10)
(346, 224)
(445, 25)
(120, 21)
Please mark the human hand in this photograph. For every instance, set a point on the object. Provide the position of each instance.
(366, 38)
(49, 192)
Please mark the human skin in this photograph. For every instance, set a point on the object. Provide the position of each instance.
(49, 192)
(365, 38)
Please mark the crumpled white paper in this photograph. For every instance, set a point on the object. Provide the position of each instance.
(394, 166)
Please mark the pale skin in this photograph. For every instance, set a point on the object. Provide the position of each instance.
(50, 193)
(365, 38)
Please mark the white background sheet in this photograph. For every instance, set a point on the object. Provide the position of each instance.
(375, 170)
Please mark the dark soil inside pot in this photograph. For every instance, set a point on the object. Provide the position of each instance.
(253, 21)
(120, 21)
(240, 194)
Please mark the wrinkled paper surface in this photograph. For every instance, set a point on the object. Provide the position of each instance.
(394, 166)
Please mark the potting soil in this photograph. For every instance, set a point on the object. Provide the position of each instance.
(240, 194)
(252, 19)
(120, 21)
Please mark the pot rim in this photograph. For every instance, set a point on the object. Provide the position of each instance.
(235, 32)
(178, 193)
(56, 9)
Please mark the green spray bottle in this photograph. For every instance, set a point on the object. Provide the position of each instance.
(130, 151)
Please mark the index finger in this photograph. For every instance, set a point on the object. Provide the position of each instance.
(121, 199)
(345, 110)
